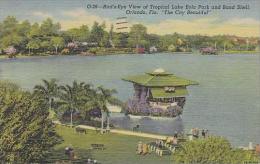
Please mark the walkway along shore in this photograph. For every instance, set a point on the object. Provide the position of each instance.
(120, 131)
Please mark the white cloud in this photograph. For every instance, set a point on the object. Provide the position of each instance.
(78, 17)
(42, 14)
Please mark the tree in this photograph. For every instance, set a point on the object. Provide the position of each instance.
(120, 39)
(13, 33)
(11, 40)
(9, 25)
(33, 45)
(137, 35)
(105, 96)
(10, 51)
(49, 90)
(78, 34)
(97, 32)
(74, 34)
(34, 31)
(211, 150)
(171, 48)
(48, 28)
(71, 98)
(23, 30)
(27, 135)
(57, 42)
(45, 45)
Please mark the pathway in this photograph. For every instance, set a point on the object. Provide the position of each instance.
(124, 132)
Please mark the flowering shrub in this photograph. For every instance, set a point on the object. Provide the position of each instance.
(10, 51)
(140, 108)
(208, 50)
(72, 45)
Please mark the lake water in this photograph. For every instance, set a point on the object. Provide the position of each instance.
(227, 101)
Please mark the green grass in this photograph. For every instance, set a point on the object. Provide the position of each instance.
(119, 149)
(241, 52)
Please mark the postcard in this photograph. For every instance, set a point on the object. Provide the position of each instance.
(130, 82)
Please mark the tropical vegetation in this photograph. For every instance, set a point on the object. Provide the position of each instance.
(213, 150)
(78, 100)
(27, 134)
(47, 38)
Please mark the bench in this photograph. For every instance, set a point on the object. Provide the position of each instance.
(80, 130)
(162, 152)
(98, 146)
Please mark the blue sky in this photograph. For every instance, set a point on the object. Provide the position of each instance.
(74, 13)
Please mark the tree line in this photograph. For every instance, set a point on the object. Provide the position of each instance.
(48, 38)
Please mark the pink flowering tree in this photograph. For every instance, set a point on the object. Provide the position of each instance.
(10, 51)
(72, 45)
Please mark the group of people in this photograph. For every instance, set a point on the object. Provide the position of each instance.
(142, 148)
(195, 132)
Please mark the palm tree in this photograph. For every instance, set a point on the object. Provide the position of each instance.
(105, 96)
(73, 97)
(68, 100)
(48, 90)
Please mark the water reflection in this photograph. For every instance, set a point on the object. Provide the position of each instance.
(165, 126)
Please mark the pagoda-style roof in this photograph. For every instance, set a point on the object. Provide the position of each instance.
(159, 78)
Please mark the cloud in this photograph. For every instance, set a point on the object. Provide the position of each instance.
(205, 26)
(208, 26)
(42, 14)
(77, 17)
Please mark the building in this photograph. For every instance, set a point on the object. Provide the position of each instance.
(158, 93)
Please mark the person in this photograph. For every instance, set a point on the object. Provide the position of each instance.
(206, 133)
(69, 152)
(139, 148)
(169, 140)
(257, 149)
(71, 155)
(203, 133)
(175, 134)
(160, 144)
(196, 132)
(68, 149)
(175, 141)
(145, 149)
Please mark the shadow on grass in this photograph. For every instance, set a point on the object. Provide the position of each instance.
(59, 156)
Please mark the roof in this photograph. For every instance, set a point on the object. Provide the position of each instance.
(159, 78)
(161, 93)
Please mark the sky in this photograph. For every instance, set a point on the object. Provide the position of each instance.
(75, 13)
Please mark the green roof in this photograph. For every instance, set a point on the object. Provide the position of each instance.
(159, 79)
(161, 93)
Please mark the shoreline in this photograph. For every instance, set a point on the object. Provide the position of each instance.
(23, 56)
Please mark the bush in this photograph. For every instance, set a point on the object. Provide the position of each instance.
(213, 150)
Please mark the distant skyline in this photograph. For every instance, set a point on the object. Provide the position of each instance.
(72, 14)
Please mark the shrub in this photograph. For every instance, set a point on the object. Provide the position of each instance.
(213, 150)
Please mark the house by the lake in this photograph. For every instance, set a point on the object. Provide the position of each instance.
(158, 93)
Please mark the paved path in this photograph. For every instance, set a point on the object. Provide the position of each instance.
(124, 132)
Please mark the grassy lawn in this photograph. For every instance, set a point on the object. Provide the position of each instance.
(241, 52)
(118, 148)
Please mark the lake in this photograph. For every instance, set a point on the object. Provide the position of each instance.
(226, 101)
